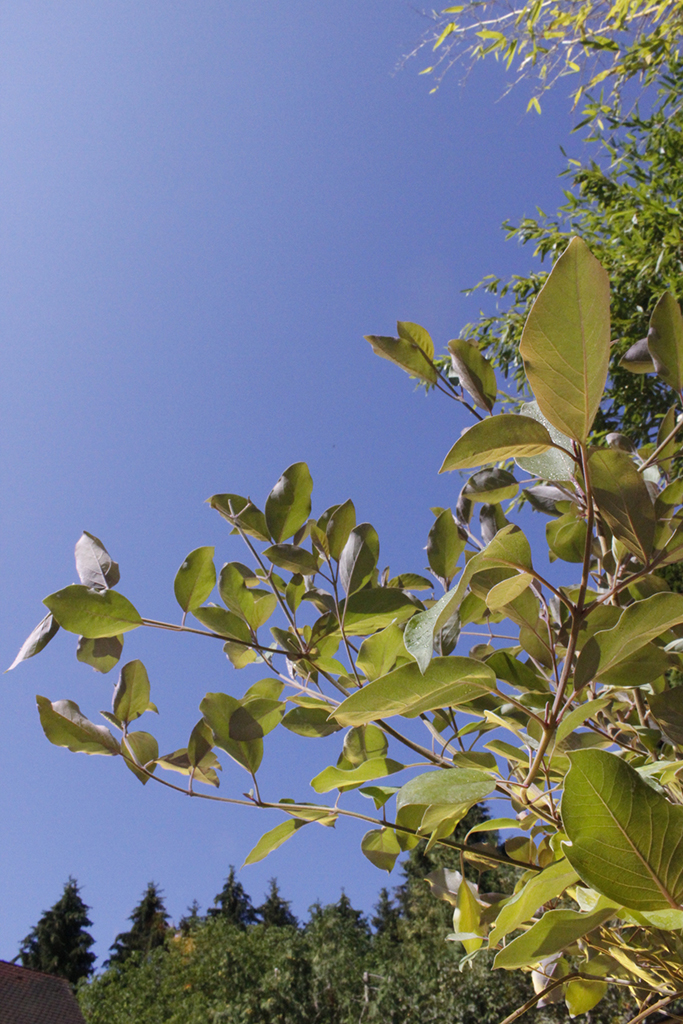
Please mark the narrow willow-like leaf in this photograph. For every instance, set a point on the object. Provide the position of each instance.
(625, 839)
(497, 438)
(276, 837)
(566, 341)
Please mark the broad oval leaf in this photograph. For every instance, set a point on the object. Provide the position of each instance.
(140, 747)
(131, 696)
(195, 579)
(554, 464)
(36, 640)
(288, 505)
(623, 499)
(565, 344)
(625, 839)
(381, 847)
(314, 722)
(566, 537)
(667, 708)
(359, 557)
(222, 622)
(407, 353)
(446, 787)
(556, 930)
(496, 438)
(101, 654)
(445, 683)
(95, 567)
(475, 373)
(445, 544)
(92, 613)
(65, 726)
(292, 558)
(637, 359)
(242, 514)
(491, 486)
(363, 743)
(539, 889)
(665, 341)
(374, 608)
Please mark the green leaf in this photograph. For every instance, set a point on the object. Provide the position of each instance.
(195, 579)
(313, 722)
(566, 537)
(491, 486)
(378, 794)
(639, 623)
(406, 353)
(475, 373)
(292, 558)
(445, 544)
(92, 613)
(507, 590)
(556, 930)
(65, 726)
(445, 683)
(554, 464)
(288, 505)
(539, 889)
(381, 847)
(667, 708)
(453, 791)
(377, 654)
(665, 428)
(366, 611)
(339, 526)
(467, 918)
(358, 558)
(218, 709)
(417, 335)
(143, 748)
(637, 358)
(222, 622)
(625, 839)
(131, 696)
(623, 499)
(94, 564)
(340, 778)
(565, 344)
(200, 744)
(37, 640)
(582, 994)
(101, 654)
(665, 341)
(495, 439)
(241, 513)
(276, 837)
(363, 743)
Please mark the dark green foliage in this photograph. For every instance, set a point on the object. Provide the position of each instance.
(625, 204)
(274, 911)
(386, 917)
(149, 928)
(233, 904)
(59, 943)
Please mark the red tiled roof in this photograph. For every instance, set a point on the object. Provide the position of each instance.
(29, 997)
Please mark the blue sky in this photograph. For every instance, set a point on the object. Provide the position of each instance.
(204, 207)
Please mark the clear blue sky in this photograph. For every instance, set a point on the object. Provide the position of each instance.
(203, 209)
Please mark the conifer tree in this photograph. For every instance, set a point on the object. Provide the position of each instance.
(233, 903)
(149, 928)
(386, 916)
(59, 944)
(274, 911)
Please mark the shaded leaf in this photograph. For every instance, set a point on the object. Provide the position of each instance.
(491, 486)
(94, 565)
(131, 696)
(407, 353)
(143, 748)
(241, 512)
(475, 373)
(65, 726)
(292, 558)
(637, 359)
(445, 544)
(222, 622)
(623, 499)
(556, 930)
(310, 722)
(358, 558)
(667, 708)
(36, 640)
(553, 464)
(381, 847)
(665, 341)
(101, 654)
(566, 537)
